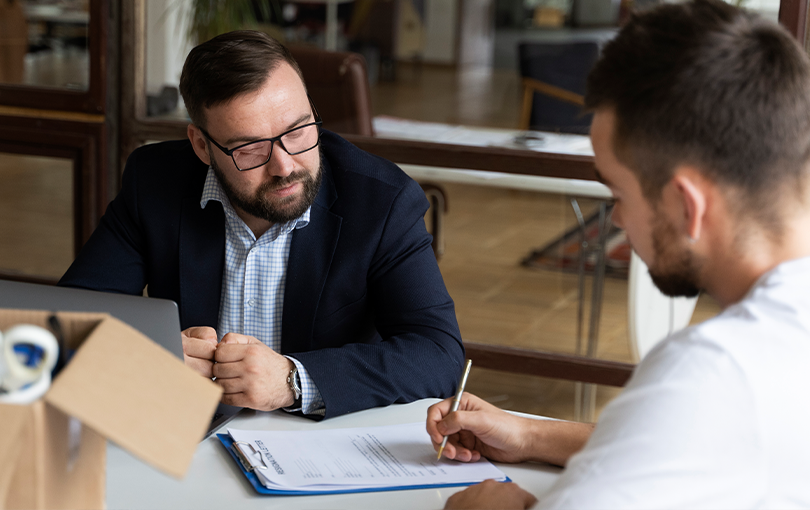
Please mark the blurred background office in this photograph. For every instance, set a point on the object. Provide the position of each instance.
(82, 82)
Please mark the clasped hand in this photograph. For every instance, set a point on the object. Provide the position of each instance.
(251, 374)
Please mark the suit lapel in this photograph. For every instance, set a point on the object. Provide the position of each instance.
(202, 261)
(311, 253)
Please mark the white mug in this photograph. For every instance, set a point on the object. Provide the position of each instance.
(21, 384)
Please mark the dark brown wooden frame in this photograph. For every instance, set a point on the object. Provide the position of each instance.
(793, 16)
(80, 142)
(91, 100)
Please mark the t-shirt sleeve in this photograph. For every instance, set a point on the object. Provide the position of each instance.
(682, 434)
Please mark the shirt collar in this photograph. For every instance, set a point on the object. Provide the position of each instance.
(212, 190)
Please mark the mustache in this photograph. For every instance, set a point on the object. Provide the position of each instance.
(282, 182)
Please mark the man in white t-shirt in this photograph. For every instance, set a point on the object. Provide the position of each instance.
(701, 130)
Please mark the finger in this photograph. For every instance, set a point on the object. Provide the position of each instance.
(452, 501)
(228, 370)
(435, 414)
(441, 416)
(232, 385)
(457, 451)
(236, 338)
(201, 332)
(449, 451)
(229, 353)
(467, 447)
(196, 348)
(474, 421)
(202, 367)
(528, 499)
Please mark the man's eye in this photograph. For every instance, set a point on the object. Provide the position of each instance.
(250, 150)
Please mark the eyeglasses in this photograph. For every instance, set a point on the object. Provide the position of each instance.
(255, 154)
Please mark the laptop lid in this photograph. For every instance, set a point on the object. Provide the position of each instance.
(158, 319)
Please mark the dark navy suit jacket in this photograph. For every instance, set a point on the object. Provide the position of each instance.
(365, 307)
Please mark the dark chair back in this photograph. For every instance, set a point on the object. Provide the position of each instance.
(554, 76)
(337, 82)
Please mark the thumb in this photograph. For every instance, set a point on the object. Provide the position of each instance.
(201, 333)
(528, 500)
(476, 422)
(449, 424)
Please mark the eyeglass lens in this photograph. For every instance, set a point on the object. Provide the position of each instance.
(294, 142)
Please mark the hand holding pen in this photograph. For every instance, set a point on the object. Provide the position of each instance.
(457, 400)
(467, 428)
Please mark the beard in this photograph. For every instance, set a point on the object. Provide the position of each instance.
(279, 210)
(675, 269)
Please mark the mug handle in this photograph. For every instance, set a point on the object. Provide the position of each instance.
(17, 374)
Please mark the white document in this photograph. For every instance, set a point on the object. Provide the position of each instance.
(354, 459)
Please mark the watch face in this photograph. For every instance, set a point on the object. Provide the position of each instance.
(295, 382)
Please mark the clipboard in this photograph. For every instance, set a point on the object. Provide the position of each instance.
(248, 470)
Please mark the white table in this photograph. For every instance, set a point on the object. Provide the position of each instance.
(214, 481)
(580, 145)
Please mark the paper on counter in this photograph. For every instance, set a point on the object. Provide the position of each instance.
(561, 143)
(356, 458)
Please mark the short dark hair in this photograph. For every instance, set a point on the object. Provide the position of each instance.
(229, 65)
(708, 84)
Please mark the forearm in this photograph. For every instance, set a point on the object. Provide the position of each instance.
(374, 375)
(556, 441)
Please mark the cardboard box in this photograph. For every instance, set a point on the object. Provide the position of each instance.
(119, 386)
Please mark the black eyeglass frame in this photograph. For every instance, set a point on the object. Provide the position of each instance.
(229, 152)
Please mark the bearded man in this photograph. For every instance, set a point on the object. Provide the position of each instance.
(300, 264)
(701, 130)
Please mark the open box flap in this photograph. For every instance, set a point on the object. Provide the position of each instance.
(137, 394)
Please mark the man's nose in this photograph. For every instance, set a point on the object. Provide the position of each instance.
(281, 164)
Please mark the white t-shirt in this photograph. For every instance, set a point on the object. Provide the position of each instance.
(716, 416)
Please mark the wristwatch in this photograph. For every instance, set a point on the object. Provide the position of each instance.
(294, 381)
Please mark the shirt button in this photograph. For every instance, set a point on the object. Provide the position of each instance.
(251, 302)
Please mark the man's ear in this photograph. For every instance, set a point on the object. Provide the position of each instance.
(690, 188)
(199, 143)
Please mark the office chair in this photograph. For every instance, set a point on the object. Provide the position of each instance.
(337, 82)
(554, 77)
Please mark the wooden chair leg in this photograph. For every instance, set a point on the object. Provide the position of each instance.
(526, 108)
(438, 207)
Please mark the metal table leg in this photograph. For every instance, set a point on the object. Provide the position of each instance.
(585, 394)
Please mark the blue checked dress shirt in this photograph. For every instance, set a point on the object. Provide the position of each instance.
(253, 283)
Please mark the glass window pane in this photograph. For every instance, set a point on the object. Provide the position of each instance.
(535, 395)
(36, 215)
(166, 50)
(45, 43)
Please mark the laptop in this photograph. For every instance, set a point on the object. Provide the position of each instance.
(158, 319)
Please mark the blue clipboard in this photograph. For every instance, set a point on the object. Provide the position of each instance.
(227, 442)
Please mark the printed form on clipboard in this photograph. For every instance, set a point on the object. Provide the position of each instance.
(348, 460)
